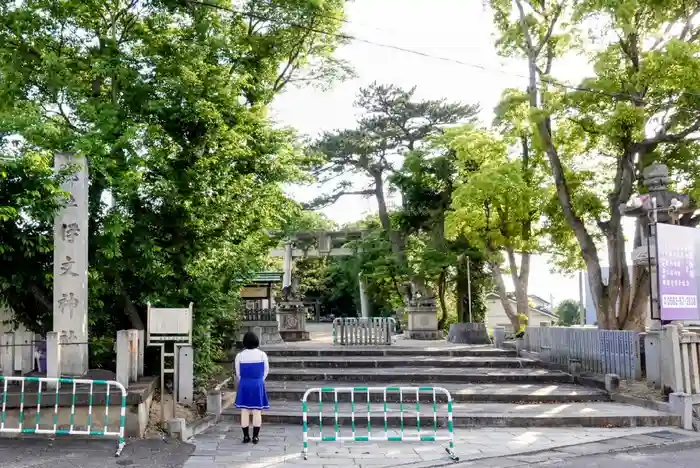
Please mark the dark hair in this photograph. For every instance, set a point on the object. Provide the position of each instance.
(250, 340)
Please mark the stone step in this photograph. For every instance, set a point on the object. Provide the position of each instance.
(469, 415)
(420, 375)
(330, 362)
(486, 393)
(371, 351)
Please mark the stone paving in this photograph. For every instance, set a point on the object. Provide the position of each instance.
(65, 452)
(280, 446)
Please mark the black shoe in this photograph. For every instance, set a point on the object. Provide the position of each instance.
(246, 435)
(256, 434)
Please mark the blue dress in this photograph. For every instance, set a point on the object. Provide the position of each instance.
(252, 368)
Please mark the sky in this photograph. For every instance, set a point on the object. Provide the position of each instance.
(458, 31)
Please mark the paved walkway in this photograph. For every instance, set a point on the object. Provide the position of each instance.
(69, 452)
(280, 446)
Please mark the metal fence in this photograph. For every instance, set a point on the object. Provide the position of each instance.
(23, 398)
(599, 351)
(407, 413)
(364, 331)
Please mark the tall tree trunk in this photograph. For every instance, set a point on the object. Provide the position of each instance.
(462, 292)
(589, 252)
(442, 280)
(512, 315)
(398, 244)
(520, 278)
(132, 312)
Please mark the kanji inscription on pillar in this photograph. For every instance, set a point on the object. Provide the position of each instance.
(70, 271)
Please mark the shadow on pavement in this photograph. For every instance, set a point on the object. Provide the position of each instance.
(73, 453)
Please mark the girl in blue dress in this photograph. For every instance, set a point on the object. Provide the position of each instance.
(251, 370)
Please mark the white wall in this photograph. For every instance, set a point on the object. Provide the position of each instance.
(496, 316)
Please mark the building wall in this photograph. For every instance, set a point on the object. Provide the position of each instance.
(496, 316)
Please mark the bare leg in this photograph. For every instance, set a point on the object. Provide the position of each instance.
(257, 422)
(245, 422)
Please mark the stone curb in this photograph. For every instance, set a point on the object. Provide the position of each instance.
(559, 453)
(642, 402)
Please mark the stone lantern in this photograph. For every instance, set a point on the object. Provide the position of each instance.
(659, 205)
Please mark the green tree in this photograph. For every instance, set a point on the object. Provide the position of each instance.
(497, 206)
(569, 312)
(640, 106)
(394, 123)
(427, 182)
(167, 101)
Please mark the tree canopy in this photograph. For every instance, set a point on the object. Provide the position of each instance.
(639, 106)
(168, 101)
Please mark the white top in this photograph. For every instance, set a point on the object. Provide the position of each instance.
(252, 356)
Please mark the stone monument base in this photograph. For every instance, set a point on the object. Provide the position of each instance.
(291, 316)
(294, 335)
(468, 333)
(422, 321)
(267, 331)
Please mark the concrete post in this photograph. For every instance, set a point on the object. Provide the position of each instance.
(214, 403)
(7, 354)
(133, 354)
(287, 277)
(178, 428)
(185, 375)
(53, 357)
(142, 348)
(364, 300)
(652, 356)
(123, 358)
(499, 336)
(671, 370)
(682, 405)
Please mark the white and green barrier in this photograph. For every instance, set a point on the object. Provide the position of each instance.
(24, 397)
(364, 331)
(407, 415)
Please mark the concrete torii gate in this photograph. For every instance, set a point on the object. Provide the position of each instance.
(320, 244)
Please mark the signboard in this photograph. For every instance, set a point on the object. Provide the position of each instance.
(169, 324)
(677, 248)
(250, 292)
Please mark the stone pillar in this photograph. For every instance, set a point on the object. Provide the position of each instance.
(185, 375)
(364, 300)
(123, 358)
(214, 402)
(53, 357)
(422, 320)
(287, 277)
(499, 336)
(70, 287)
(652, 357)
(133, 355)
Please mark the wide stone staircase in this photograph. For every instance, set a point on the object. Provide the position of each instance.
(489, 387)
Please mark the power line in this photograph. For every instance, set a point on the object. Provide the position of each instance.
(350, 37)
